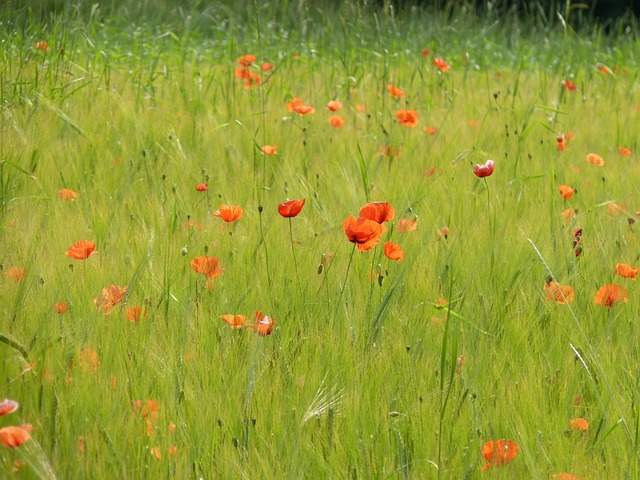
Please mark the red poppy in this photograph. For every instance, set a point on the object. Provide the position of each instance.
(405, 225)
(14, 436)
(269, 149)
(363, 232)
(595, 159)
(570, 85)
(430, 130)
(499, 452)
(561, 143)
(202, 187)
(624, 151)
(66, 194)
(111, 296)
(61, 307)
(626, 271)
(134, 313)
(579, 424)
(610, 294)
(566, 191)
(234, 321)
(16, 274)
(441, 64)
(485, 170)
(229, 213)
(561, 294)
(430, 171)
(393, 251)
(247, 60)
(294, 103)
(291, 208)
(407, 118)
(425, 52)
(8, 406)
(396, 92)
(336, 121)
(207, 266)
(379, 212)
(44, 46)
(569, 213)
(81, 250)
(443, 232)
(334, 105)
(304, 110)
(263, 325)
(266, 67)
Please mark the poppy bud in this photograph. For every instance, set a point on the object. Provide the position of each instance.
(260, 208)
(164, 176)
(253, 421)
(219, 422)
(320, 268)
(144, 152)
(380, 280)
(206, 249)
(184, 251)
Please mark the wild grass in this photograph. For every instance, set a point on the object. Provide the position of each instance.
(366, 374)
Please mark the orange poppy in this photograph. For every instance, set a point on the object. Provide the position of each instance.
(81, 250)
(499, 452)
(269, 149)
(429, 172)
(407, 118)
(252, 79)
(263, 325)
(624, 151)
(336, 121)
(393, 251)
(66, 194)
(561, 294)
(570, 85)
(566, 191)
(294, 103)
(363, 232)
(579, 424)
(134, 313)
(441, 64)
(334, 105)
(569, 213)
(44, 46)
(405, 225)
(247, 60)
(565, 476)
(202, 187)
(8, 406)
(61, 307)
(304, 110)
(610, 294)
(291, 208)
(425, 52)
(111, 296)
(561, 143)
(430, 130)
(443, 232)
(626, 271)
(14, 436)
(266, 67)
(207, 266)
(229, 213)
(485, 170)
(234, 321)
(16, 274)
(379, 212)
(396, 92)
(595, 159)
(242, 73)
(616, 209)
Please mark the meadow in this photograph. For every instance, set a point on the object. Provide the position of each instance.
(147, 330)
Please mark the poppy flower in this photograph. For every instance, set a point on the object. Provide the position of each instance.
(111, 296)
(561, 294)
(425, 52)
(363, 232)
(579, 424)
(61, 307)
(569, 213)
(252, 79)
(626, 271)
(304, 110)
(229, 213)
(66, 194)
(390, 151)
(405, 225)
(595, 159)
(16, 274)
(14, 436)
(396, 92)
(8, 406)
(263, 325)
(561, 143)
(266, 67)
(202, 187)
(499, 452)
(407, 118)
(247, 60)
(269, 149)
(430, 171)
(570, 85)
(624, 151)
(44, 46)
(443, 232)
(81, 250)
(441, 64)
(294, 103)
(610, 294)
(242, 73)
(234, 321)
(336, 121)
(379, 212)
(485, 170)
(566, 191)
(334, 105)
(430, 130)
(134, 313)
(291, 208)
(207, 266)
(616, 209)
(393, 251)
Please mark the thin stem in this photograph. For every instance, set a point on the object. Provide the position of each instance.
(295, 260)
(344, 284)
(266, 250)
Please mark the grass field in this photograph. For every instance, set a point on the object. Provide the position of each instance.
(364, 366)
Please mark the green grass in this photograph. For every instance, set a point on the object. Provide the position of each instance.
(360, 376)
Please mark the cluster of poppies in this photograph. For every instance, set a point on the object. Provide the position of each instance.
(15, 435)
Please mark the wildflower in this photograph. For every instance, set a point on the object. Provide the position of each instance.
(291, 208)
(363, 232)
(8, 406)
(393, 251)
(441, 64)
(561, 144)
(579, 424)
(304, 110)
(626, 271)
(425, 52)
(595, 159)
(610, 294)
(266, 67)
(202, 187)
(81, 250)
(334, 105)
(485, 170)
(234, 321)
(263, 325)
(405, 225)
(430, 130)
(172, 451)
(407, 118)
(443, 232)
(16, 274)
(44, 46)
(566, 191)
(570, 85)
(269, 149)
(396, 92)
(207, 266)
(624, 151)
(561, 294)
(66, 194)
(569, 213)
(111, 296)
(336, 121)
(616, 209)
(379, 212)
(14, 436)
(61, 307)
(229, 213)
(134, 313)
(247, 60)
(294, 103)
(499, 452)
(430, 171)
